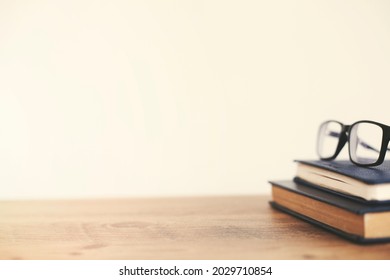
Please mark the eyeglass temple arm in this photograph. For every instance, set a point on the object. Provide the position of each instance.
(364, 144)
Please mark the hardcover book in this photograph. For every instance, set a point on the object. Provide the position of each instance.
(369, 183)
(354, 220)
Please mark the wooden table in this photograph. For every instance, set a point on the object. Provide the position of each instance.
(242, 227)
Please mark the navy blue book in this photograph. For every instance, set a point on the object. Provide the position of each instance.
(342, 176)
(349, 218)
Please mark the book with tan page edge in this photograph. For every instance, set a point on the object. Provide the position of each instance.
(348, 218)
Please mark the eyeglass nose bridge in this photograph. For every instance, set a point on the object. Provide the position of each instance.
(343, 139)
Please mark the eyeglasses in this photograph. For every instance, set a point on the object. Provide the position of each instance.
(367, 141)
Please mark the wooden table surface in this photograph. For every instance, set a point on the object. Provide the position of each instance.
(167, 228)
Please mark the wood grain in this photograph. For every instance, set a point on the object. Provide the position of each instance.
(167, 228)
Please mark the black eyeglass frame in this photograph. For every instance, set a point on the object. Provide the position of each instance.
(344, 137)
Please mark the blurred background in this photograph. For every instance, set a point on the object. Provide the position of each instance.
(176, 98)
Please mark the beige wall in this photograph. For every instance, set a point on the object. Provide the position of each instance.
(107, 98)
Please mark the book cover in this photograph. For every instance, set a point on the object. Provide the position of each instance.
(368, 175)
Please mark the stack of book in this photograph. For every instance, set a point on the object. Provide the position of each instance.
(351, 201)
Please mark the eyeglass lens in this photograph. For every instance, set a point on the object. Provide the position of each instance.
(328, 139)
(365, 141)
